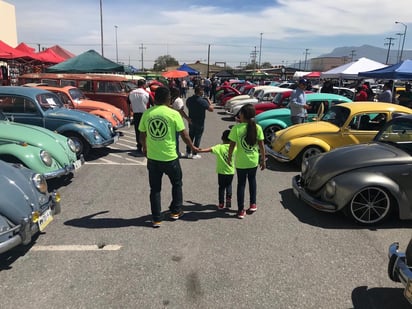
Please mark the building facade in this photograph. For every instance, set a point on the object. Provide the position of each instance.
(8, 26)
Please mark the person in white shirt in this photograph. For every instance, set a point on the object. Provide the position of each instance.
(139, 99)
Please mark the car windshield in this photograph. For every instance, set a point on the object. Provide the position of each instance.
(278, 98)
(397, 133)
(2, 116)
(77, 94)
(336, 115)
(49, 101)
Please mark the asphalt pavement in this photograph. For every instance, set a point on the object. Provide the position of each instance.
(101, 251)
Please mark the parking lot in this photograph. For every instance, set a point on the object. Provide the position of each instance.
(101, 251)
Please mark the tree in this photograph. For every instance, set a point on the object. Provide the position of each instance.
(162, 62)
(266, 65)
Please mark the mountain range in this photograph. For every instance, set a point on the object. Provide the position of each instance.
(374, 53)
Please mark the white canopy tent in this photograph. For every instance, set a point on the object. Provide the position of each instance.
(350, 70)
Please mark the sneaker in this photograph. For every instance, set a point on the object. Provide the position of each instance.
(176, 216)
(156, 224)
(252, 208)
(241, 214)
(189, 155)
(221, 206)
(228, 202)
(196, 156)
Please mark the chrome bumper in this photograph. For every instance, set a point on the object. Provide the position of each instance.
(301, 194)
(277, 156)
(65, 170)
(398, 271)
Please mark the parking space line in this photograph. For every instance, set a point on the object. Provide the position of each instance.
(76, 248)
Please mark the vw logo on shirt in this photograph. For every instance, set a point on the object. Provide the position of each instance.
(157, 128)
(245, 145)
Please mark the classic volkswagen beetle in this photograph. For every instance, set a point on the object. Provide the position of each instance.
(400, 267)
(274, 120)
(343, 124)
(45, 152)
(26, 207)
(369, 182)
(43, 108)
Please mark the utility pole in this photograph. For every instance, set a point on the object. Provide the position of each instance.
(208, 60)
(142, 49)
(389, 47)
(306, 58)
(398, 58)
(352, 54)
(101, 26)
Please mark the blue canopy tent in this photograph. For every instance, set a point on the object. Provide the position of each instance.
(401, 70)
(185, 67)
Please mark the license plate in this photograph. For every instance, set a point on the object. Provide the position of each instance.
(45, 219)
(408, 291)
(77, 164)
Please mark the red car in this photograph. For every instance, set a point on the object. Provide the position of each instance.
(279, 101)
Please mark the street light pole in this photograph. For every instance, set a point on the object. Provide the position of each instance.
(117, 54)
(260, 49)
(399, 46)
(404, 35)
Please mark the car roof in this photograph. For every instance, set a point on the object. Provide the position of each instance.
(360, 106)
(19, 90)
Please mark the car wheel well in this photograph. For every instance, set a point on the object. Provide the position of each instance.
(80, 141)
(269, 130)
(11, 159)
(374, 193)
(307, 152)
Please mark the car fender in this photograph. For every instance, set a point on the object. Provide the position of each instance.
(298, 144)
(104, 114)
(352, 182)
(83, 130)
(28, 155)
(268, 122)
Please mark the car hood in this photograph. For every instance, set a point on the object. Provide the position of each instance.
(305, 129)
(91, 104)
(347, 158)
(54, 143)
(17, 192)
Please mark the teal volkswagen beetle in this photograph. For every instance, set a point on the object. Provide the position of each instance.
(41, 150)
(278, 119)
(43, 108)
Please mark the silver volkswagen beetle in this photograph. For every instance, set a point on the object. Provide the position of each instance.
(26, 206)
(369, 182)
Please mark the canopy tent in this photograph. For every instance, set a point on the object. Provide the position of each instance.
(185, 67)
(314, 74)
(60, 51)
(49, 56)
(401, 70)
(7, 52)
(87, 62)
(299, 74)
(350, 70)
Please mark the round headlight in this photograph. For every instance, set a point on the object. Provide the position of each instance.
(39, 182)
(96, 134)
(330, 188)
(72, 145)
(287, 146)
(46, 158)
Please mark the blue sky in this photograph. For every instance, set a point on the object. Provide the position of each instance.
(185, 29)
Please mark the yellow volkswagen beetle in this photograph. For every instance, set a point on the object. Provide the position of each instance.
(343, 124)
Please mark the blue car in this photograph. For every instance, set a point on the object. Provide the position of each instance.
(26, 206)
(43, 108)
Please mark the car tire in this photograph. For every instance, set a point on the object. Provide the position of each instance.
(370, 206)
(307, 152)
(81, 143)
(269, 131)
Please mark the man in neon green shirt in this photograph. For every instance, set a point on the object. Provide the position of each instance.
(158, 128)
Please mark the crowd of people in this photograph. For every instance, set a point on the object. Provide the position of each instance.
(159, 122)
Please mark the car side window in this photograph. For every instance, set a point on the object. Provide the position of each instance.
(368, 121)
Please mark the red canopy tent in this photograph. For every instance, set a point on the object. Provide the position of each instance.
(49, 56)
(60, 51)
(7, 52)
(314, 74)
(30, 51)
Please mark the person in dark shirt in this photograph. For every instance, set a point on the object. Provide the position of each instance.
(197, 106)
